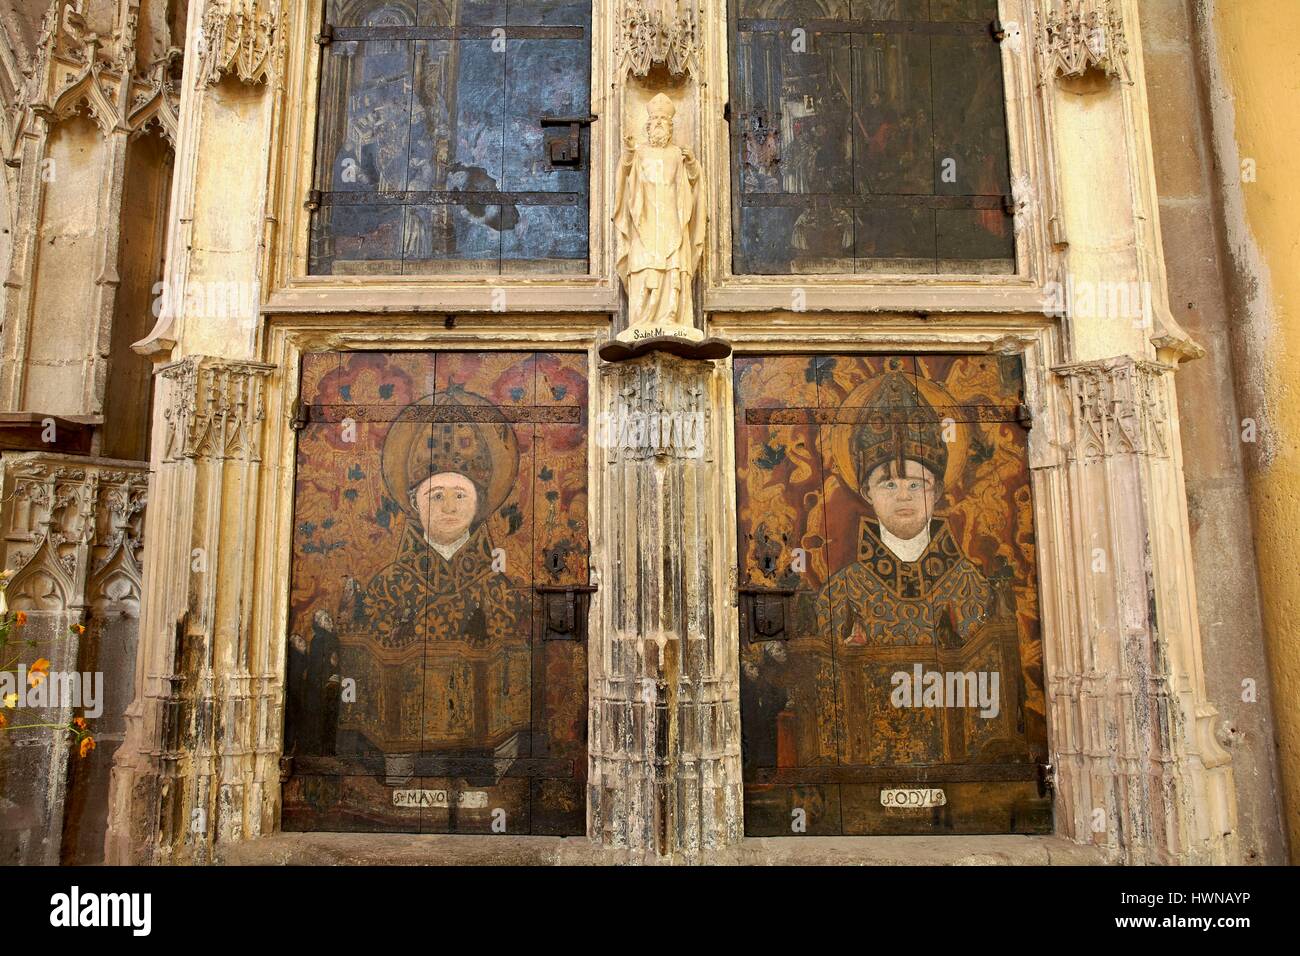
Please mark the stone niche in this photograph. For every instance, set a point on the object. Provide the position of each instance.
(72, 533)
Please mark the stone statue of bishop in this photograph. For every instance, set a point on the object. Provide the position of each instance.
(660, 217)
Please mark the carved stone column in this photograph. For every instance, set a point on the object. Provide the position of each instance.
(1138, 767)
(664, 736)
(181, 779)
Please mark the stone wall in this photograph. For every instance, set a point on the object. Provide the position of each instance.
(1213, 453)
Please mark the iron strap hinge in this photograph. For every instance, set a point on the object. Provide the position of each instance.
(997, 30)
(326, 35)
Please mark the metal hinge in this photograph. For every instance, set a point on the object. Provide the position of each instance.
(301, 415)
(726, 111)
(1024, 415)
(997, 30)
(286, 768)
(326, 35)
(313, 200)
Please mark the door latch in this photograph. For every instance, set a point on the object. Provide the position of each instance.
(565, 149)
(564, 611)
(764, 613)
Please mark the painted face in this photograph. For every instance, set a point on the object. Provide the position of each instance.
(903, 503)
(659, 130)
(446, 503)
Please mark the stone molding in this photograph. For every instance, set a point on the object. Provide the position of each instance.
(1138, 769)
(74, 70)
(654, 415)
(214, 409)
(664, 740)
(1119, 407)
(205, 713)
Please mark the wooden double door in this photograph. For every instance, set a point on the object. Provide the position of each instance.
(437, 665)
(891, 674)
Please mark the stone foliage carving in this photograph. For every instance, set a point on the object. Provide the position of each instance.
(659, 32)
(73, 532)
(238, 37)
(215, 409)
(1120, 407)
(655, 415)
(1075, 36)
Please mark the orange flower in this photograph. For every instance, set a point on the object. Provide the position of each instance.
(38, 672)
(22, 618)
(79, 723)
(3, 720)
(77, 628)
(87, 745)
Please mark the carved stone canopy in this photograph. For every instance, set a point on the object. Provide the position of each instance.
(659, 32)
(1075, 36)
(73, 70)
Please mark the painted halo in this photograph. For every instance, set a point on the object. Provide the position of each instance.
(930, 403)
(427, 438)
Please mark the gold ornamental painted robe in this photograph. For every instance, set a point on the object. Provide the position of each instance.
(457, 621)
(884, 616)
(882, 600)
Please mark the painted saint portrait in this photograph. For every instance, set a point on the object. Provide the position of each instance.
(442, 604)
(886, 529)
(434, 491)
(910, 583)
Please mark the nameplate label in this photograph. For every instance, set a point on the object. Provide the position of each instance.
(913, 798)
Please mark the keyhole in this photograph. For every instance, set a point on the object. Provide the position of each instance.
(554, 561)
(769, 564)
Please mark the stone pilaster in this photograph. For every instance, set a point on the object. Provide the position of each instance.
(1138, 768)
(664, 735)
(181, 779)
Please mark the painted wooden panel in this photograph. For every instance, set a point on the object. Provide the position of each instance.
(422, 102)
(889, 607)
(868, 137)
(424, 691)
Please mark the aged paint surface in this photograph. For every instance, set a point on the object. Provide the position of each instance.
(434, 491)
(438, 98)
(868, 136)
(940, 576)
